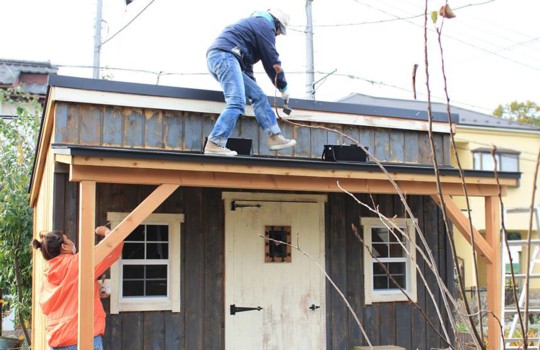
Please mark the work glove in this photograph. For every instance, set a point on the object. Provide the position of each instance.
(284, 94)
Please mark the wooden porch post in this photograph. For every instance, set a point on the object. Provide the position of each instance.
(87, 213)
(494, 271)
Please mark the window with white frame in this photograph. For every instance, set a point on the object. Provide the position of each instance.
(147, 276)
(389, 260)
(507, 160)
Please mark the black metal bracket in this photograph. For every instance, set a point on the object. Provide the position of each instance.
(235, 309)
(314, 307)
(234, 205)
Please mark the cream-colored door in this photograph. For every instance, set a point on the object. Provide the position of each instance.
(284, 282)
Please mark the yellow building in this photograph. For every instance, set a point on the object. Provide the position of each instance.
(516, 149)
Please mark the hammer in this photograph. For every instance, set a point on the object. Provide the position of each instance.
(286, 108)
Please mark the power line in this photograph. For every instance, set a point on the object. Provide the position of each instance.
(127, 24)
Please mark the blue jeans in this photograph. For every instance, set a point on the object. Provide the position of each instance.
(98, 345)
(237, 86)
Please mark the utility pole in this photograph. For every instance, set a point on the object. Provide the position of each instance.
(310, 66)
(97, 39)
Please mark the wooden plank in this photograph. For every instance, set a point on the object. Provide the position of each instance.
(397, 146)
(337, 266)
(194, 270)
(439, 148)
(424, 149)
(250, 130)
(193, 138)
(431, 233)
(367, 138)
(61, 123)
(353, 252)
(154, 134)
(461, 222)
(173, 326)
(154, 331)
(411, 149)
(113, 126)
(90, 126)
(59, 203)
(134, 129)
(255, 181)
(120, 232)
(213, 269)
(86, 264)
(404, 325)
(317, 141)
(387, 324)
(73, 124)
(273, 170)
(174, 129)
(494, 271)
(382, 145)
(418, 332)
(113, 333)
(132, 338)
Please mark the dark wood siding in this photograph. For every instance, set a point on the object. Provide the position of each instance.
(176, 130)
(200, 324)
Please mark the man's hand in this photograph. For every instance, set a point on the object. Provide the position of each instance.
(285, 94)
(102, 231)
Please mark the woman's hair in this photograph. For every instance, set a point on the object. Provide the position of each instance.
(50, 244)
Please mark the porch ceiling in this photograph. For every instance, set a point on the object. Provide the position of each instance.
(149, 167)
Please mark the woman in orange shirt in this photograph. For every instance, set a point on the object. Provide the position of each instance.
(59, 293)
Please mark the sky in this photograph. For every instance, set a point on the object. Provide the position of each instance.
(490, 50)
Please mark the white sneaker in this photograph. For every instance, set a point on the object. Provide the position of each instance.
(217, 150)
(278, 141)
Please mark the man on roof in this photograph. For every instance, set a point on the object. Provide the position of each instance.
(230, 60)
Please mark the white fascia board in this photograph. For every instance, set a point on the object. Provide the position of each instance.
(204, 106)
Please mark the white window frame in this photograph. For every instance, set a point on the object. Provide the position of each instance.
(389, 295)
(172, 301)
(483, 160)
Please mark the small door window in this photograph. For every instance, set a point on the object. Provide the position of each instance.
(278, 244)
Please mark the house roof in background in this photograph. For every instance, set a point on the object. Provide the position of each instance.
(466, 116)
(11, 71)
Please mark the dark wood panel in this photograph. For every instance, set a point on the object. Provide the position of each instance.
(174, 129)
(162, 129)
(134, 129)
(214, 267)
(355, 282)
(133, 330)
(154, 134)
(337, 265)
(90, 124)
(194, 270)
(113, 126)
(154, 331)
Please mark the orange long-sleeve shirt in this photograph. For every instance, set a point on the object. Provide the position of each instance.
(59, 298)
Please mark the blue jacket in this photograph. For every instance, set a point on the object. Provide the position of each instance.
(255, 40)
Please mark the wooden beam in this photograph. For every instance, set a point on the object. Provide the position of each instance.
(134, 219)
(494, 271)
(87, 218)
(461, 222)
(150, 164)
(43, 148)
(267, 182)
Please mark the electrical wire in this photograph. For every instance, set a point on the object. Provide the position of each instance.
(127, 24)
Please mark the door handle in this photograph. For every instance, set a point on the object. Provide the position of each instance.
(314, 307)
(234, 309)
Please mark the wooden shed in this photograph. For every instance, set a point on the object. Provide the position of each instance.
(202, 267)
